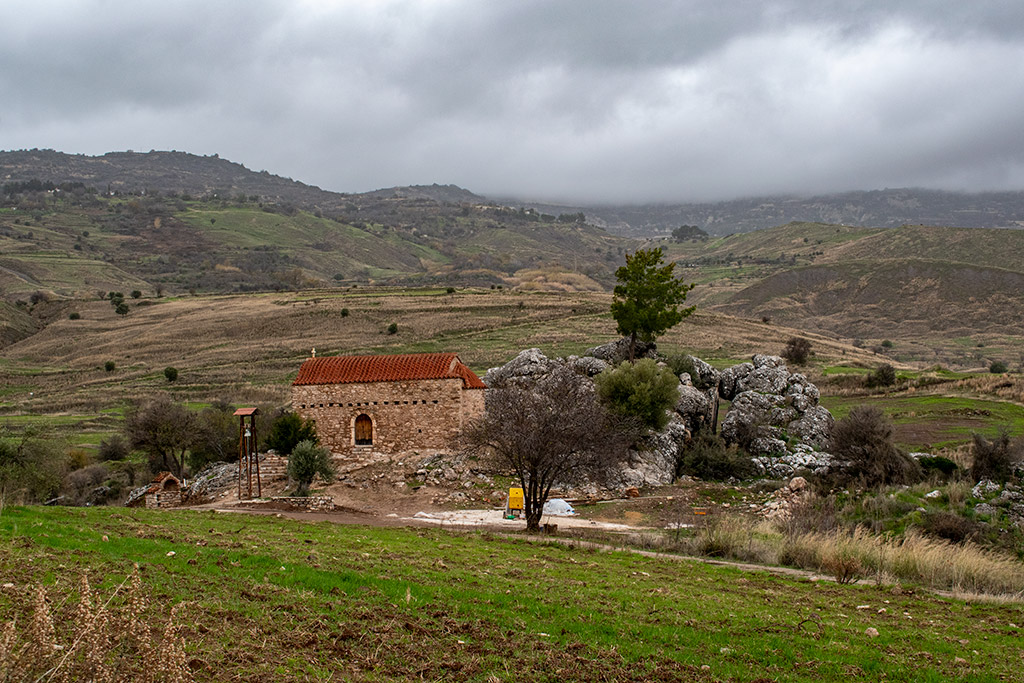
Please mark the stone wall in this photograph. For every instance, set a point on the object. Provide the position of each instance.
(163, 499)
(407, 415)
(309, 503)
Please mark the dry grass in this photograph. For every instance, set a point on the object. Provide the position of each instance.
(100, 641)
(911, 557)
(851, 555)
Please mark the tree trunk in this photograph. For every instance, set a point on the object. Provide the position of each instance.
(533, 519)
(714, 418)
(632, 348)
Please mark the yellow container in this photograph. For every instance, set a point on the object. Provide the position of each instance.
(515, 499)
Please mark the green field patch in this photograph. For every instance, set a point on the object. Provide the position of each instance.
(401, 604)
(936, 421)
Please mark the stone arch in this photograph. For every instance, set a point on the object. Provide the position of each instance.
(362, 430)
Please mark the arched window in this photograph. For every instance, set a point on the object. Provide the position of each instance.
(364, 430)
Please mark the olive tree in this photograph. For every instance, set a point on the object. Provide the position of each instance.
(551, 430)
(306, 461)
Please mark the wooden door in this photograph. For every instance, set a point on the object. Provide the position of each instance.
(364, 431)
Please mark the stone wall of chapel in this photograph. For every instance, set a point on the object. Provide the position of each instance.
(407, 415)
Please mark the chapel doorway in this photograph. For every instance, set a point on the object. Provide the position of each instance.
(364, 430)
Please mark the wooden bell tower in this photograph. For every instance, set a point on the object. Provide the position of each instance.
(248, 455)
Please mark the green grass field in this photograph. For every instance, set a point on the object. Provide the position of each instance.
(274, 599)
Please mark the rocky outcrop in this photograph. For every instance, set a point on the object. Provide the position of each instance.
(802, 459)
(772, 410)
(655, 463)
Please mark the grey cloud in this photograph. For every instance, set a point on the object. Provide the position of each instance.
(586, 100)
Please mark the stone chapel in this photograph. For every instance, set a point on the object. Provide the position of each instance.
(387, 404)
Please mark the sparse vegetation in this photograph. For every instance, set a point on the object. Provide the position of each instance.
(797, 350)
(998, 367)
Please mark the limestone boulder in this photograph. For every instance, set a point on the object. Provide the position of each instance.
(813, 427)
(654, 464)
(803, 459)
(617, 351)
(694, 407)
(765, 380)
(706, 375)
(772, 408)
(587, 365)
(729, 379)
(528, 364)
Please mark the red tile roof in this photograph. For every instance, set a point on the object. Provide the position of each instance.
(364, 369)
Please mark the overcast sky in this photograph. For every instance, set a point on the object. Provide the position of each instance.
(586, 101)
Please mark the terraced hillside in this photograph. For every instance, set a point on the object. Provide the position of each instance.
(948, 295)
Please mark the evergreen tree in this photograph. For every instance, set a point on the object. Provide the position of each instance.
(647, 297)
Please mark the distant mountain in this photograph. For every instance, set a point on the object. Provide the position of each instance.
(183, 173)
(877, 208)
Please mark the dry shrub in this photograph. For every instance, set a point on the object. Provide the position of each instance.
(865, 439)
(950, 526)
(996, 459)
(844, 565)
(100, 641)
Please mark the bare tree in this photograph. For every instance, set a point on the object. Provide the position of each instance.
(553, 430)
(165, 431)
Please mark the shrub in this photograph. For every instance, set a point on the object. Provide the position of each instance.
(797, 350)
(708, 457)
(305, 462)
(121, 308)
(393, 328)
(110, 366)
(344, 313)
(643, 390)
(680, 363)
(114, 448)
(949, 526)
(171, 373)
(450, 290)
(998, 367)
(136, 294)
(287, 430)
(865, 440)
(887, 344)
(74, 315)
(938, 463)
(883, 376)
(996, 459)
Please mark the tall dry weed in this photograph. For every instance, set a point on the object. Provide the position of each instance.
(97, 641)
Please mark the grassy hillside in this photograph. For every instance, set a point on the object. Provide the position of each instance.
(275, 599)
(78, 245)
